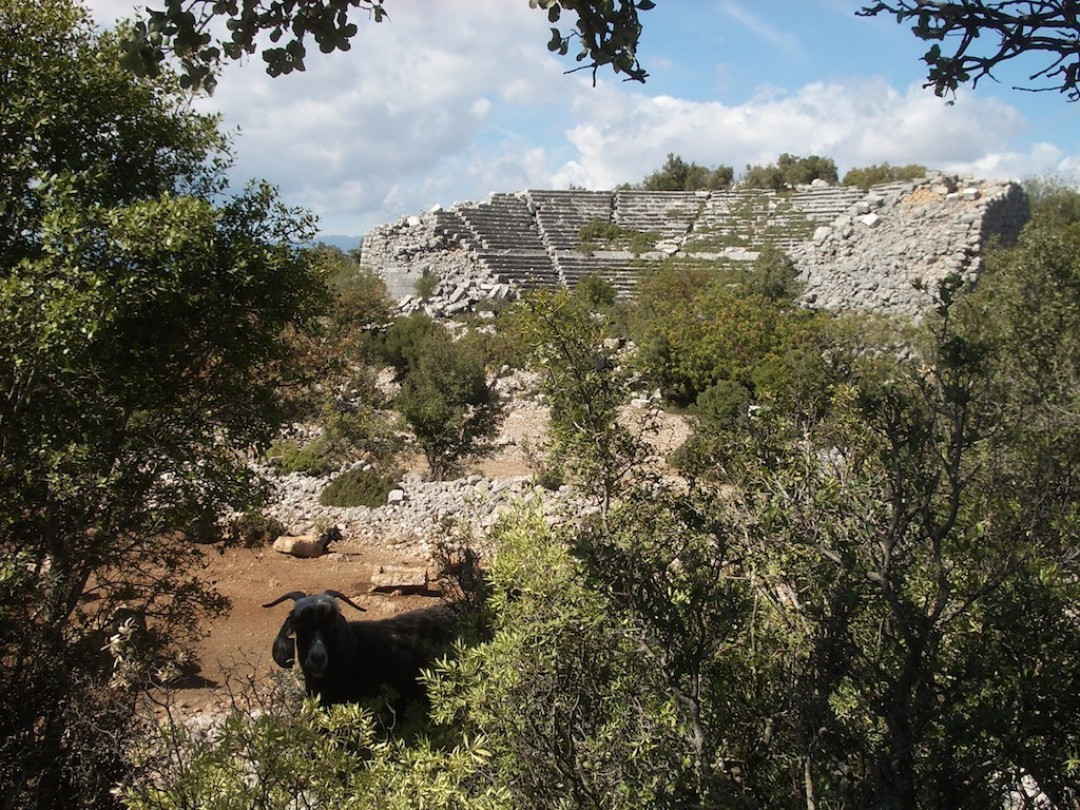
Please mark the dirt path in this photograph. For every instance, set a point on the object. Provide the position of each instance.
(240, 641)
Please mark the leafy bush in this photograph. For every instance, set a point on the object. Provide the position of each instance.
(584, 390)
(603, 234)
(312, 458)
(678, 175)
(359, 299)
(882, 173)
(363, 433)
(562, 695)
(406, 338)
(276, 753)
(774, 275)
(597, 292)
(790, 171)
(498, 342)
(358, 487)
(697, 324)
(448, 402)
(426, 286)
(253, 529)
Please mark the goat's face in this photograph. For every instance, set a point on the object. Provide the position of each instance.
(319, 629)
(317, 621)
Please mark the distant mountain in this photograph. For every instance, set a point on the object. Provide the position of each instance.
(345, 243)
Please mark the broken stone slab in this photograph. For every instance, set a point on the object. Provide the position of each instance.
(403, 579)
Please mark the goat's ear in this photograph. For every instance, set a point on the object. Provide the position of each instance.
(284, 651)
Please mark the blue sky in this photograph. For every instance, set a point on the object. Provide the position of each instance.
(453, 99)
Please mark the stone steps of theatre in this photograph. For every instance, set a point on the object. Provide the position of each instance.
(622, 269)
(497, 259)
(504, 242)
(530, 279)
(590, 201)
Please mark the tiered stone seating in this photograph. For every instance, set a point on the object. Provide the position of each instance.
(454, 228)
(729, 219)
(619, 269)
(561, 215)
(508, 242)
(669, 214)
(825, 204)
(751, 218)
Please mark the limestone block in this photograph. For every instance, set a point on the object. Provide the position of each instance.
(871, 220)
(396, 496)
(402, 579)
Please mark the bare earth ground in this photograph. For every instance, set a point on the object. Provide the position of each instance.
(240, 641)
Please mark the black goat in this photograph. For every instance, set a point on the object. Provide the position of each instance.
(345, 661)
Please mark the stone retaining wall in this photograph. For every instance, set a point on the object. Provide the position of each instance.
(854, 249)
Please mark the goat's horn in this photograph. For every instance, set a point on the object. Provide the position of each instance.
(294, 595)
(345, 599)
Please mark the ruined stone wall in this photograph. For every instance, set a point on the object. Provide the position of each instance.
(871, 257)
(853, 249)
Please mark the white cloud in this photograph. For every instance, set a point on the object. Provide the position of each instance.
(857, 122)
(447, 102)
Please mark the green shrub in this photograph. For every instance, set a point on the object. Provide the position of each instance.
(364, 433)
(789, 171)
(274, 752)
(882, 173)
(724, 403)
(426, 285)
(448, 402)
(358, 487)
(603, 234)
(405, 337)
(596, 291)
(313, 458)
(774, 275)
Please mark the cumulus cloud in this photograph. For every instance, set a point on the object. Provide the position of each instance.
(449, 101)
(855, 122)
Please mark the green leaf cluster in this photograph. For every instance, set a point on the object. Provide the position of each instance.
(585, 384)
(602, 234)
(446, 399)
(790, 171)
(678, 175)
(308, 756)
(697, 325)
(882, 173)
(144, 315)
(358, 487)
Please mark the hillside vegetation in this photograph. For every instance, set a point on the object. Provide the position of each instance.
(856, 587)
(856, 584)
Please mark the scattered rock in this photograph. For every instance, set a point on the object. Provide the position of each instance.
(403, 579)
